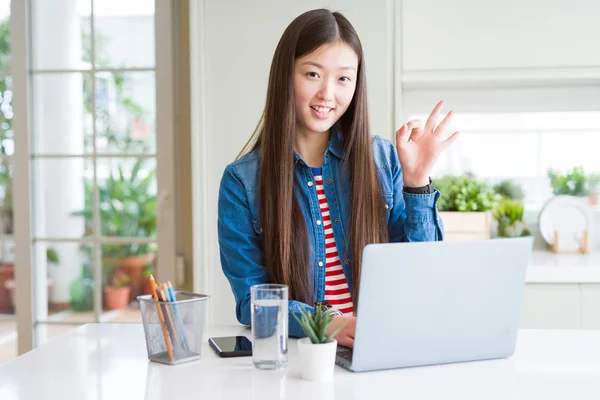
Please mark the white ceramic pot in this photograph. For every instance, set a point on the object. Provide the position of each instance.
(317, 361)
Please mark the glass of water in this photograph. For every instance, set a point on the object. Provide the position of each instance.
(269, 312)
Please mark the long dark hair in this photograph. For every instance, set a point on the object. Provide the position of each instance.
(285, 241)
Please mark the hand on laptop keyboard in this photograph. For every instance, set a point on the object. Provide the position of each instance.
(345, 336)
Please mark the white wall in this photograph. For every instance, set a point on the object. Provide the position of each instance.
(501, 55)
(240, 39)
(510, 56)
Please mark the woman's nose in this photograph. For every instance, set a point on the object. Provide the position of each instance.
(326, 92)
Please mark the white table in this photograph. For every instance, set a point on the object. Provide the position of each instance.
(109, 361)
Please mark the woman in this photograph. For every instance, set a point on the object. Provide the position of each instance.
(313, 187)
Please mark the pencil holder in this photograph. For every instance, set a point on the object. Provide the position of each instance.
(174, 330)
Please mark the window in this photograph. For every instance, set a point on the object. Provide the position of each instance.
(522, 147)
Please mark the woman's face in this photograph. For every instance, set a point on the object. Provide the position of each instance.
(324, 84)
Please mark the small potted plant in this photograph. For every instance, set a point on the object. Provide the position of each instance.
(317, 350)
(116, 295)
(509, 215)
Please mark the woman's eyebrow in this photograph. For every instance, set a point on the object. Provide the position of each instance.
(322, 67)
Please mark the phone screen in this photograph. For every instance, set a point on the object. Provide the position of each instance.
(238, 345)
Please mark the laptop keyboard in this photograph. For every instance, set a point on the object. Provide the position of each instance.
(345, 353)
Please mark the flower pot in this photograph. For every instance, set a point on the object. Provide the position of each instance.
(317, 361)
(134, 265)
(116, 298)
(7, 273)
(147, 286)
(466, 225)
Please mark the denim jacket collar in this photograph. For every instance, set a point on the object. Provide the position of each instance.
(335, 146)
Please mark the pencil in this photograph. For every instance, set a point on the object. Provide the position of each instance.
(168, 314)
(171, 293)
(162, 319)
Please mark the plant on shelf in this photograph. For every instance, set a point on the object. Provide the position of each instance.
(509, 215)
(572, 183)
(508, 189)
(465, 194)
(594, 188)
(317, 351)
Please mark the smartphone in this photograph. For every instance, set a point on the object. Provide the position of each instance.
(231, 346)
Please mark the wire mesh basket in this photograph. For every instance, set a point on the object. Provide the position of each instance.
(174, 330)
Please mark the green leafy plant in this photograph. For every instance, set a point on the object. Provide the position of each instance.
(572, 183)
(465, 194)
(509, 214)
(315, 324)
(509, 190)
(120, 278)
(127, 209)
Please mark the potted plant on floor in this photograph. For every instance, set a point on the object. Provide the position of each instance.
(116, 293)
(127, 209)
(465, 207)
(317, 350)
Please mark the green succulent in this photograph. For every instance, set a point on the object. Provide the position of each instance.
(465, 194)
(572, 183)
(509, 214)
(315, 324)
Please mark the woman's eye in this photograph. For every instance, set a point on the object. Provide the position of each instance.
(345, 79)
(313, 74)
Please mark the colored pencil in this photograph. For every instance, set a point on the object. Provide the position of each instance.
(162, 319)
(171, 293)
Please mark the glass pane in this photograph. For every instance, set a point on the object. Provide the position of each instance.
(565, 150)
(64, 282)
(61, 34)
(125, 272)
(4, 35)
(7, 146)
(124, 33)
(7, 277)
(127, 189)
(471, 153)
(62, 197)
(64, 126)
(8, 340)
(125, 112)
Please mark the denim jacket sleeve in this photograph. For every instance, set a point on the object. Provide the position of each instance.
(241, 250)
(414, 217)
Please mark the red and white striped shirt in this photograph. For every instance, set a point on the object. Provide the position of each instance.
(337, 292)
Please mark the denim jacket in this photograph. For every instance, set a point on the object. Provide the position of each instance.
(410, 218)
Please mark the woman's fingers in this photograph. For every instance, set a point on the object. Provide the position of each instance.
(451, 139)
(402, 135)
(444, 124)
(433, 117)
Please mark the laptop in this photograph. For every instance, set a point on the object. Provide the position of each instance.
(430, 303)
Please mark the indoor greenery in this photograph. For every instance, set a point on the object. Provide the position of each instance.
(465, 194)
(315, 324)
(509, 190)
(509, 214)
(571, 183)
(127, 209)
